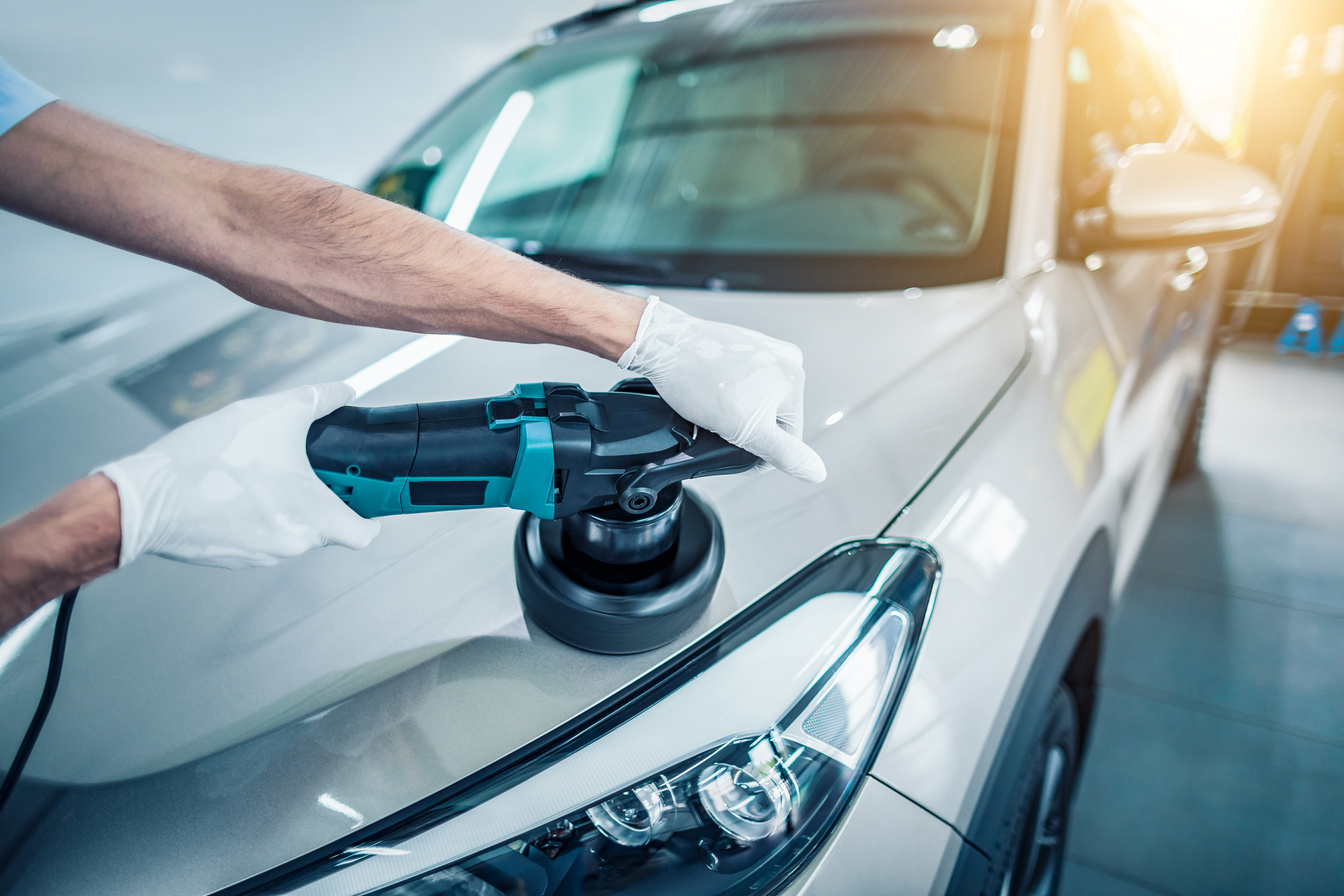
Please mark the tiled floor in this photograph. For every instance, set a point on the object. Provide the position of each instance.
(1217, 764)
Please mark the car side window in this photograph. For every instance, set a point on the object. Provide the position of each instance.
(1115, 99)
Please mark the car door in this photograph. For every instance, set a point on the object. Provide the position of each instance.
(1158, 304)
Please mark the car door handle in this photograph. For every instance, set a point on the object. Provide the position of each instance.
(1184, 275)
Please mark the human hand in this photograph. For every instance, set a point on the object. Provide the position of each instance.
(235, 488)
(743, 385)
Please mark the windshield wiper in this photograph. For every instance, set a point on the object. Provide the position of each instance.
(641, 269)
(590, 17)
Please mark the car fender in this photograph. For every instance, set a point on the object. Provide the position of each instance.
(1014, 514)
(1066, 654)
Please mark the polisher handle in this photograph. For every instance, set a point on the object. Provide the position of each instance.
(552, 449)
(448, 455)
(708, 455)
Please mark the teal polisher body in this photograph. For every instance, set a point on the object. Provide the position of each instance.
(611, 555)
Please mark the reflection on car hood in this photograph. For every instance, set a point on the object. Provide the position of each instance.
(212, 724)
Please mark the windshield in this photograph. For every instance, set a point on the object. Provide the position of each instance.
(776, 147)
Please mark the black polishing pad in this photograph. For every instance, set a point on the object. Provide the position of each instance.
(606, 608)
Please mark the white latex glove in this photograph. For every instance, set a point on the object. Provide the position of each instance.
(743, 385)
(235, 488)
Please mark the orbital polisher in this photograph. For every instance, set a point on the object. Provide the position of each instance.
(612, 555)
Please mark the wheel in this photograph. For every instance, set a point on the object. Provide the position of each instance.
(1036, 864)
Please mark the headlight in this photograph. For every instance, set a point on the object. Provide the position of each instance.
(723, 770)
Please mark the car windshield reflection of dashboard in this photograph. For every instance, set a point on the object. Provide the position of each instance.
(239, 359)
(644, 147)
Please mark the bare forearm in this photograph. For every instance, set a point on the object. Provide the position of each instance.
(295, 242)
(302, 244)
(65, 167)
(73, 537)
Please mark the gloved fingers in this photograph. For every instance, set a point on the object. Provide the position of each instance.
(789, 413)
(783, 351)
(787, 453)
(272, 430)
(791, 423)
(346, 528)
(778, 398)
(353, 531)
(328, 397)
(235, 488)
(327, 517)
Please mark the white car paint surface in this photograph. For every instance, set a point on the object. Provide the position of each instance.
(235, 653)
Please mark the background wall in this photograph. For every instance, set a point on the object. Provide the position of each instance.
(1208, 43)
(324, 86)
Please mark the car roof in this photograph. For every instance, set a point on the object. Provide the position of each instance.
(601, 14)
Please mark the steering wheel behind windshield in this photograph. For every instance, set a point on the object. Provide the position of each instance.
(900, 177)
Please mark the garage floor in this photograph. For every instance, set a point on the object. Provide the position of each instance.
(1217, 765)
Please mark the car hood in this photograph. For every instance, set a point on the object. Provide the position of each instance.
(212, 724)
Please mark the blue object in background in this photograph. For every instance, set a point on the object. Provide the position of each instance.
(1303, 331)
(1336, 346)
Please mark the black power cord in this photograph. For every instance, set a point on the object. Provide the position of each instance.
(48, 695)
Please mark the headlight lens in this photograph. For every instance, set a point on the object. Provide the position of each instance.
(721, 771)
(749, 802)
(631, 816)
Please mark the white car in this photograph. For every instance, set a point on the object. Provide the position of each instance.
(999, 243)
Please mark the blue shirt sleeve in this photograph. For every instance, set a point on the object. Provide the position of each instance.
(19, 97)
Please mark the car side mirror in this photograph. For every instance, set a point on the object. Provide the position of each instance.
(1158, 197)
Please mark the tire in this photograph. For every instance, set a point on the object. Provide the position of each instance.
(1036, 861)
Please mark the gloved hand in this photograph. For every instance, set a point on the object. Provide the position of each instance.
(743, 385)
(235, 488)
